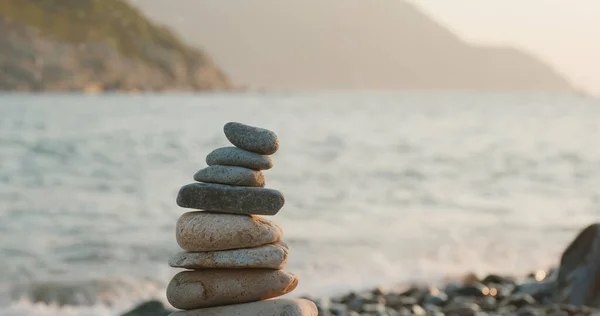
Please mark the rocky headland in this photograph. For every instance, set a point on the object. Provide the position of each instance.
(94, 46)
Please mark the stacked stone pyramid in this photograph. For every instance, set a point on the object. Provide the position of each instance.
(234, 257)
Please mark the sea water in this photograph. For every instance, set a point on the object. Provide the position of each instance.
(381, 188)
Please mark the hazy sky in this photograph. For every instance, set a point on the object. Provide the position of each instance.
(565, 33)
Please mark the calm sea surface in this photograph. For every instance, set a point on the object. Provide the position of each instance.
(381, 188)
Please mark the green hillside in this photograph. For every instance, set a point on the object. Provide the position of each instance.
(79, 21)
(113, 22)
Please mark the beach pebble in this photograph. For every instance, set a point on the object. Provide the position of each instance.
(437, 299)
(209, 288)
(273, 256)
(231, 175)
(152, 307)
(530, 311)
(206, 231)
(254, 139)
(233, 156)
(230, 199)
(274, 307)
(475, 290)
(520, 300)
(461, 308)
(497, 279)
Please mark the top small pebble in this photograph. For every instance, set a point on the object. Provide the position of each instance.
(250, 138)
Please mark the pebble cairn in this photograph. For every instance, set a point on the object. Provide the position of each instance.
(234, 257)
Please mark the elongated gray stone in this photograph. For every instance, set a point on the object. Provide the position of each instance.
(230, 199)
(216, 287)
(254, 139)
(272, 307)
(206, 231)
(231, 175)
(233, 156)
(273, 256)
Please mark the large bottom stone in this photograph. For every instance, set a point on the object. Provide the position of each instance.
(216, 287)
(273, 256)
(275, 307)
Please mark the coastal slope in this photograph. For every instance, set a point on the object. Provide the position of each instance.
(348, 44)
(74, 45)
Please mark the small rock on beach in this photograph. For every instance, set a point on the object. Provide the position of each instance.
(206, 231)
(231, 175)
(233, 156)
(230, 199)
(273, 256)
(209, 288)
(273, 307)
(254, 139)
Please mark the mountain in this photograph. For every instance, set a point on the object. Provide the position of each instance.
(58, 45)
(347, 44)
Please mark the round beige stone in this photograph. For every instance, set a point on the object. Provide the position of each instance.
(207, 231)
(274, 307)
(216, 287)
(273, 256)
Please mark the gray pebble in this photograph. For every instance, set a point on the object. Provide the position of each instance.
(254, 139)
(272, 256)
(436, 299)
(418, 310)
(230, 199)
(231, 175)
(530, 311)
(233, 156)
(461, 308)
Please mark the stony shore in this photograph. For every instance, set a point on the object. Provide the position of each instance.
(530, 295)
(572, 288)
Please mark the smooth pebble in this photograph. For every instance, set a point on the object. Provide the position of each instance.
(231, 175)
(273, 307)
(254, 139)
(207, 231)
(233, 156)
(230, 199)
(208, 288)
(273, 256)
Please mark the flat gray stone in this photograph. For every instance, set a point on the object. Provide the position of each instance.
(207, 231)
(231, 175)
(230, 199)
(254, 139)
(272, 307)
(272, 256)
(233, 156)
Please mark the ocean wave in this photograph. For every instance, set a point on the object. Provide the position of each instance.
(97, 297)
